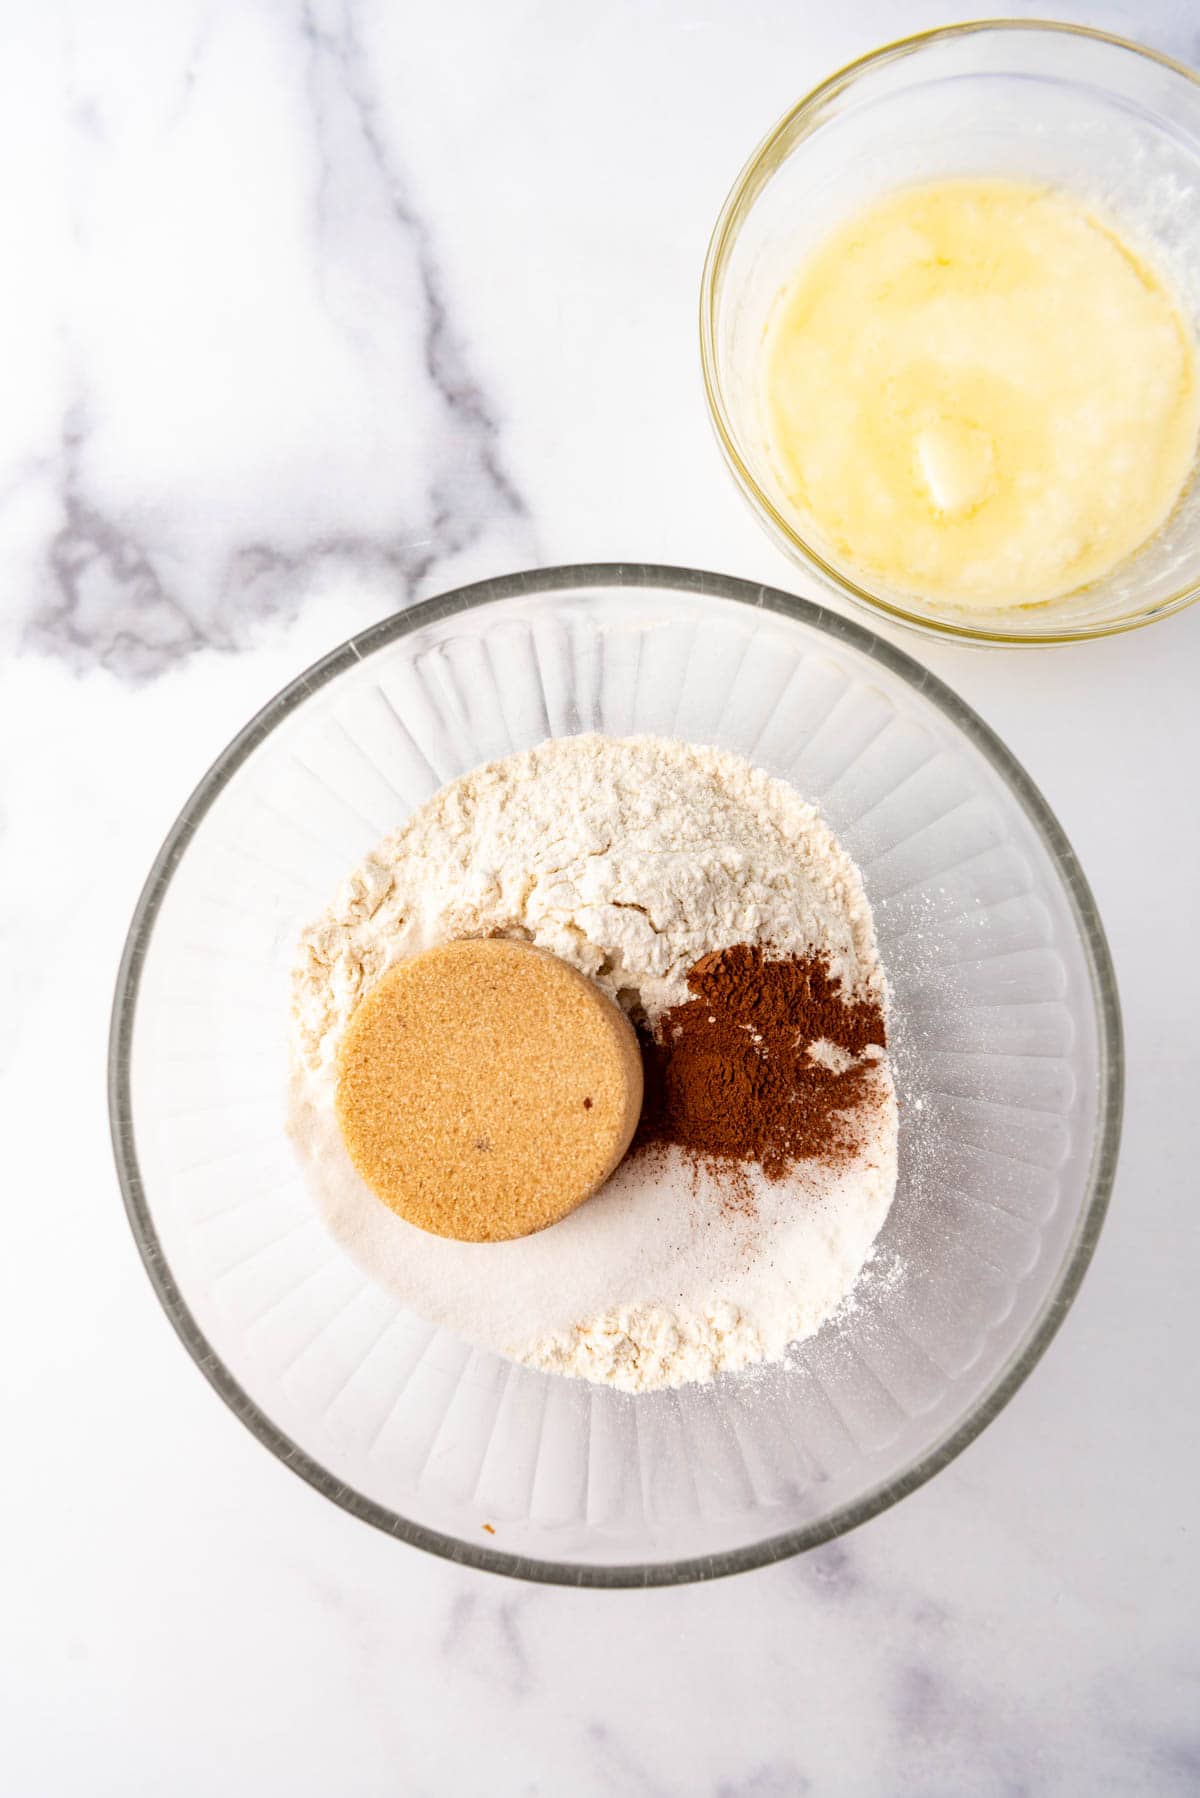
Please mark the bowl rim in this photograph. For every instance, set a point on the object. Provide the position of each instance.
(769, 515)
(688, 583)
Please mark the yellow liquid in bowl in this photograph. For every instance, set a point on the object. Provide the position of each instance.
(977, 393)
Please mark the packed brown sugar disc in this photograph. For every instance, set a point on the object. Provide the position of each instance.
(485, 1089)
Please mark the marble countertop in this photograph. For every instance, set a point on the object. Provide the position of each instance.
(311, 310)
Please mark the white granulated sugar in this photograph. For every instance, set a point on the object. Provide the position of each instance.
(631, 859)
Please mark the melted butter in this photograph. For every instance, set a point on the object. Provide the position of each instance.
(977, 392)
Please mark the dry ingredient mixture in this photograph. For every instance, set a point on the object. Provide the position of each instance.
(718, 909)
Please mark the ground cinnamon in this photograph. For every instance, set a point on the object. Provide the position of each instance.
(730, 1077)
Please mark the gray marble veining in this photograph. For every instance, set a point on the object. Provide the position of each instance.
(135, 582)
(311, 309)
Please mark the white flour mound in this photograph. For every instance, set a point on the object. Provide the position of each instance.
(630, 858)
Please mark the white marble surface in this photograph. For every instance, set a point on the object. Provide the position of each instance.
(309, 310)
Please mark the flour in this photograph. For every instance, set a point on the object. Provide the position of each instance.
(630, 859)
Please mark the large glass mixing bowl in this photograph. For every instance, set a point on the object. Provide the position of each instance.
(1007, 1047)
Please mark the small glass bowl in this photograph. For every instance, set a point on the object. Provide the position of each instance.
(1058, 105)
(1006, 1042)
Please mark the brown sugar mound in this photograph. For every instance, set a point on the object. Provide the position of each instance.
(485, 1089)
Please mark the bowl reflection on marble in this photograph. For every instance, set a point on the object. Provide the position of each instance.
(1007, 1052)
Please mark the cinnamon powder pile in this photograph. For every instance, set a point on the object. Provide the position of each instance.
(729, 1074)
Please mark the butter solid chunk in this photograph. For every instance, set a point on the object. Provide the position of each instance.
(956, 465)
(977, 393)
